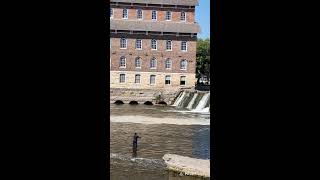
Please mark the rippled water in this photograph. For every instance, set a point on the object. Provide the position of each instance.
(162, 131)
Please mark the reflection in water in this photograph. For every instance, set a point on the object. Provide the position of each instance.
(157, 140)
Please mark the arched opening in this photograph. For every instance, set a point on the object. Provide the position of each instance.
(119, 102)
(162, 103)
(148, 103)
(133, 102)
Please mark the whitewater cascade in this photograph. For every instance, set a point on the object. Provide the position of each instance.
(194, 101)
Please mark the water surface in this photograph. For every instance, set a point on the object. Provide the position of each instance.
(163, 129)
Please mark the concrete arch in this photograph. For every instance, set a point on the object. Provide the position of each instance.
(119, 102)
(162, 103)
(148, 103)
(133, 102)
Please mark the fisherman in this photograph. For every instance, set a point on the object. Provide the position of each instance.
(135, 144)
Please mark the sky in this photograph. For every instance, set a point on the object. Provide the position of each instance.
(203, 18)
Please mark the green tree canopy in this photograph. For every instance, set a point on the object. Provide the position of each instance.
(203, 58)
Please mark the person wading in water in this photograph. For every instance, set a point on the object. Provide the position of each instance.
(135, 144)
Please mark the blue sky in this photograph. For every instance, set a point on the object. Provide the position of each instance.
(203, 18)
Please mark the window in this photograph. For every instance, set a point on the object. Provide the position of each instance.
(152, 79)
(153, 63)
(122, 78)
(111, 12)
(168, 16)
(139, 14)
(138, 44)
(182, 80)
(123, 43)
(168, 64)
(168, 80)
(168, 45)
(154, 44)
(137, 79)
(183, 64)
(154, 15)
(183, 45)
(183, 16)
(122, 63)
(125, 14)
(138, 62)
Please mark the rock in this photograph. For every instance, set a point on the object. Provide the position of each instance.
(187, 166)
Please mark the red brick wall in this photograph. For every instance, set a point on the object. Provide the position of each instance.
(176, 55)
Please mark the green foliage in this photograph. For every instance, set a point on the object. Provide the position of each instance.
(203, 58)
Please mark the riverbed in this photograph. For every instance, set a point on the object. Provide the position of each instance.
(163, 129)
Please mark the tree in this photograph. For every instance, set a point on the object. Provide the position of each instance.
(203, 58)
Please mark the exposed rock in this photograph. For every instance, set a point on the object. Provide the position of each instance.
(187, 165)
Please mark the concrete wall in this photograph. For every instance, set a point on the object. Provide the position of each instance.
(142, 95)
(145, 80)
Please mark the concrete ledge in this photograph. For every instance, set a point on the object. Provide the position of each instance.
(187, 165)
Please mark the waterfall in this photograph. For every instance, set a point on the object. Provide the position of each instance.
(179, 99)
(194, 101)
(202, 104)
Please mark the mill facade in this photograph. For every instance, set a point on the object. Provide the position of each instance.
(153, 44)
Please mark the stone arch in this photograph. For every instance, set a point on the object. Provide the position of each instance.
(119, 102)
(148, 103)
(162, 103)
(133, 102)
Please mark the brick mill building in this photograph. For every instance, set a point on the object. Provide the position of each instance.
(153, 44)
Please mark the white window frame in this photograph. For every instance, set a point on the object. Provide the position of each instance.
(185, 16)
(125, 62)
(167, 45)
(186, 46)
(138, 14)
(155, 44)
(155, 80)
(185, 80)
(140, 44)
(186, 65)
(140, 62)
(135, 78)
(126, 43)
(127, 10)
(155, 60)
(152, 15)
(169, 16)
(120, 78)
(165, 79)
(165, 63)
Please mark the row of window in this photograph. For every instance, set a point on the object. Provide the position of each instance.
(153, 63)
(152, 79)
(154, 14)
(154, 44)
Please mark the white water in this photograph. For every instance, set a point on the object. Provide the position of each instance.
(180, 98)
(153, 120)
(202, 104)
(192, 101)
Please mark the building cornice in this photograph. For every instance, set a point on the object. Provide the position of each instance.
(164, 2)
(149, 26)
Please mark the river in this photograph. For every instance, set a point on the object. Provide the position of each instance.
(163, 129)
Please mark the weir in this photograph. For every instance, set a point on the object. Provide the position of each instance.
(196, 101)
